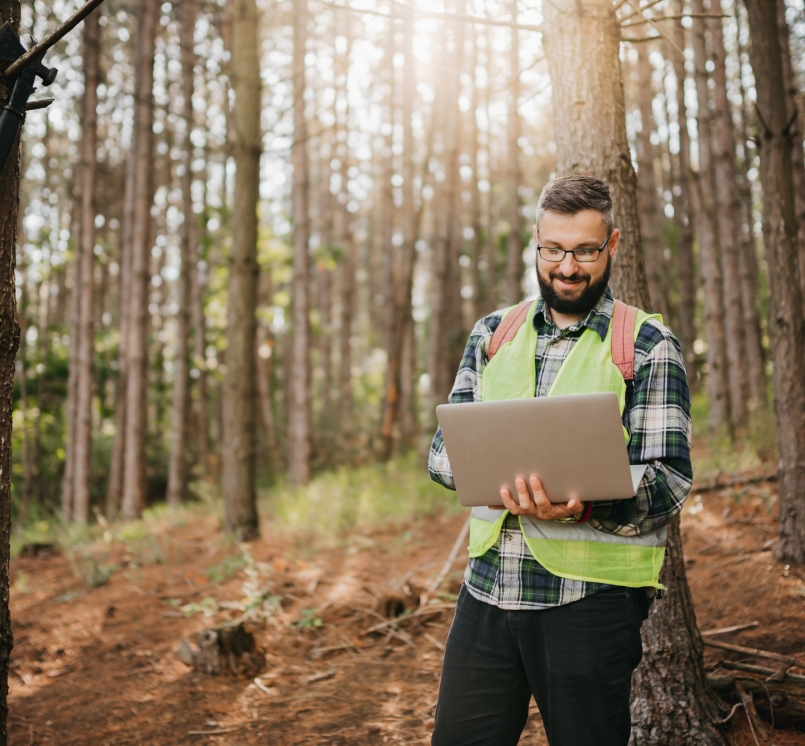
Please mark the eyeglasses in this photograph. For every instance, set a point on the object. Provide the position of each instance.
(583, 256)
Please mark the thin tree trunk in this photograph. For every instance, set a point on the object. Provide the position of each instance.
(86, 256)
(114, 492)
(684, 212)
(134, 457)
(478, 294)
(718, 389)
(729, 226)
(669, 687)
(238, 446)
(9, 342)
(387, 194)
(402, 279)
(299, 400)
(514, 279)
(22, 378)
(755, 358)
(651, 219)
(786, 323)
(180, 407)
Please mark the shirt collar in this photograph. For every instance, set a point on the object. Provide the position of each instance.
(597, 318)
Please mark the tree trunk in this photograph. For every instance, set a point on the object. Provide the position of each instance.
(683, 211)
(86, 257)
(718, 391)
(755, 359)
(514, 278)
(134, 457)
(582, 47)
(114, 492)
(9, 342)
(651, 218)
(795, 118)
(786, 324)
(22, 377)
(299, 400)
(403, 266)
(729, 226)
(238, 447)
(478, 294)
(180, 406)
(589, 110)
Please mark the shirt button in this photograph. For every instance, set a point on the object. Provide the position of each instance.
(542, 391)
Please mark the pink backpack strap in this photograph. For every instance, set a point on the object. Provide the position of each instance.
(623, 321)
(510, 325)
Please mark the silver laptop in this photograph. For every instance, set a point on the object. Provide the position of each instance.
(574, 444)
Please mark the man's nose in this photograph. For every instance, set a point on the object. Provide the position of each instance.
(569, 266)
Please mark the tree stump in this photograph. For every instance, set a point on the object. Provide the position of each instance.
(229, 649)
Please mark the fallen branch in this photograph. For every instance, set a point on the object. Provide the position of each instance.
(724, 630)
(763, 671)
(217, 731)
(732, 480)
(755, 723)
(451, 558)
(788, 700)
(426, 611)
(756, 652)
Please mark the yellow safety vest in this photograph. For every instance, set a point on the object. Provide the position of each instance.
(570, 550)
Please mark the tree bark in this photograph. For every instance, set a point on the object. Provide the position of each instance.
(683, 210)
(514, 275)
(238, 446)
(582, 47)
(180, 406)
(403, 266)
(86, 256)
(9, 342)
(786, 323)
(299, 404)
(729, 226)
(134, 457)
(584, 64)
(718, 391)
(651, 218)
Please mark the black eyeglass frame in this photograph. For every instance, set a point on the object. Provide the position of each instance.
(565, 252)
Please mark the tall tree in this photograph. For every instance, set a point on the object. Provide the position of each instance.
(238, 392)
(651, 219)
(786, 321)
(714, 332)
(728, 202)
(134, 457)
(671, 702)
(299, 404)
(684, 207)
(403, 265)
(86, 257)
(180, 406)
(514, 275)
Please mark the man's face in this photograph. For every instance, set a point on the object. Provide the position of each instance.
(569, 286)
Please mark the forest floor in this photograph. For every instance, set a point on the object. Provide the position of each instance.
(97, 629)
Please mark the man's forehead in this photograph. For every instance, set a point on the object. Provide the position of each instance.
(586, 225)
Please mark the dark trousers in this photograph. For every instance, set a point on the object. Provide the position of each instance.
(576, 660)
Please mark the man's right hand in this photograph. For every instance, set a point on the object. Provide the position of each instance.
(540, 507)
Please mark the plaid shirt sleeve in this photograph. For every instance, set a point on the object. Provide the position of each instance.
(467, 388)
(658, 418)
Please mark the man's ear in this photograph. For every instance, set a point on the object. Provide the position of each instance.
(614, 241)
(534, 233)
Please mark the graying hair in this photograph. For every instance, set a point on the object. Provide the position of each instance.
(569, 195)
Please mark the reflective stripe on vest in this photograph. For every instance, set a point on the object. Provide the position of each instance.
(574, 551)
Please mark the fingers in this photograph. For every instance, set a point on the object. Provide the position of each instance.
(512, 505)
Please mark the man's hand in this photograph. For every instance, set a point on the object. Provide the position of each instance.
(540, 507)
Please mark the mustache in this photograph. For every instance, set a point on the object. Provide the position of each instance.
(575, 277)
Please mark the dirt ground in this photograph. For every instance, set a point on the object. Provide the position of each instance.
(98, 665)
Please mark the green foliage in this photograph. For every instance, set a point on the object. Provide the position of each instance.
(92, 571)
(337, 501)
(308, 620)
(226, 568)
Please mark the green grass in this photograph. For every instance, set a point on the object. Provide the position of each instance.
(339, 501)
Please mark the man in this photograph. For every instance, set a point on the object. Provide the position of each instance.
(569, 636)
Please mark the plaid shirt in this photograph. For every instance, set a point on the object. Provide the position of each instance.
(657, 415)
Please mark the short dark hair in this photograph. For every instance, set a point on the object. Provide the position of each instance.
(571, 194)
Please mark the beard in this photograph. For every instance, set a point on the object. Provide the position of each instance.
(580, 300)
